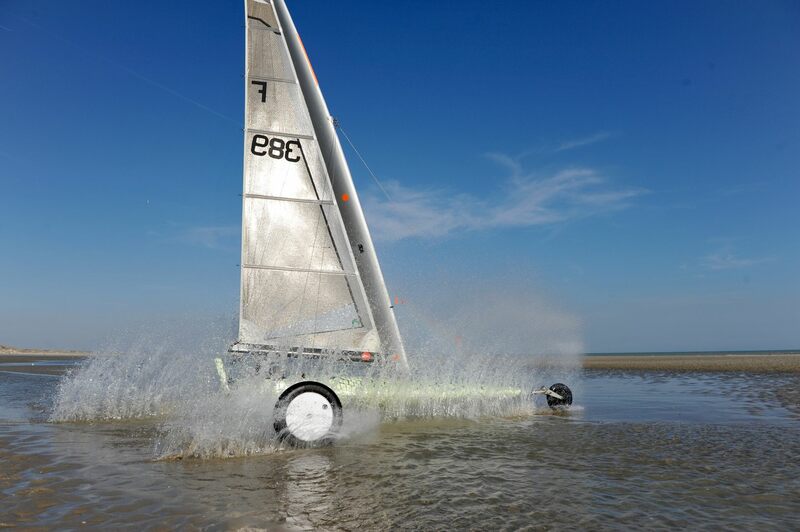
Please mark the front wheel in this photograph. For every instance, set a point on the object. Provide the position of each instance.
(566, 397)
(308, 414)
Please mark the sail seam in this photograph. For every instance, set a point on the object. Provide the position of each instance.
(300, 270)
(270, 29)
(294, 200)
(271, 78)
(279, 134)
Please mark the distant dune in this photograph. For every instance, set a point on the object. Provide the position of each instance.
(6, 350)
(778, 363)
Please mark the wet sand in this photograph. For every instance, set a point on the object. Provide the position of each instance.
(49, 364)
(783, 363)
(675, 451)
(29, 357)
(748, 363)
(704, 450)
(6, 352)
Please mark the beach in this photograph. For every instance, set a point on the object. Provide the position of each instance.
(50, 363)
(672, 448)
(703, 362)
(9, 351)
(748, 363)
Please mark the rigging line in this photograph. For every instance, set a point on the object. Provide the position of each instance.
(374, 177)
(129, 70)
(332, 178)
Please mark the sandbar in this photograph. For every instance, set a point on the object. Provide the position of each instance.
(766, 363)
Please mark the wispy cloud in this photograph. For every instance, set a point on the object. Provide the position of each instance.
(724, 257)
(585, 141)
(729, 261)
(744, 188)
(524, 200)
(212, 237)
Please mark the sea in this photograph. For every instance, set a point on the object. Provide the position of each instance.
(138, 445)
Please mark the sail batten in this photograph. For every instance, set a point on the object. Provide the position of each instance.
(303, 270)
(283, 198)
(302, 284)
(286, 134)
(270, 78)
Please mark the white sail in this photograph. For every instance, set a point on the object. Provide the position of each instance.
(302, 285)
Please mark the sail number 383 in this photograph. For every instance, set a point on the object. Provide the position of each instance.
(276, 148)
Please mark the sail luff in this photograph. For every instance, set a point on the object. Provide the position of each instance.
(342, 183)
(244, 173)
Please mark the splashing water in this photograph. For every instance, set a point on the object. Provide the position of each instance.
(167, 373)
(144, 373)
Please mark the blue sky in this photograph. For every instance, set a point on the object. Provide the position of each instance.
(631, 166)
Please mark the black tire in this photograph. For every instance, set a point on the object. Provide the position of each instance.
(562, 390)
(296, 438)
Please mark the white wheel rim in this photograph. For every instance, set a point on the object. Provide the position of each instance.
(309, 416)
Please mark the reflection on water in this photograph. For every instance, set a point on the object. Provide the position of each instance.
(307, 483)
(692, 397)
(655, 450)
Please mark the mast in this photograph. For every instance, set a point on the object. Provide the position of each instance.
(351, 212)
(322, 207)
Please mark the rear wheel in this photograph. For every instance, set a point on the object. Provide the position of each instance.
(308, 414)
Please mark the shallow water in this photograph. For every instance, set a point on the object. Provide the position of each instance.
(638, 450)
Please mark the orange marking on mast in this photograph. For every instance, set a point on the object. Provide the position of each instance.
(345, 197)
(311, 68)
